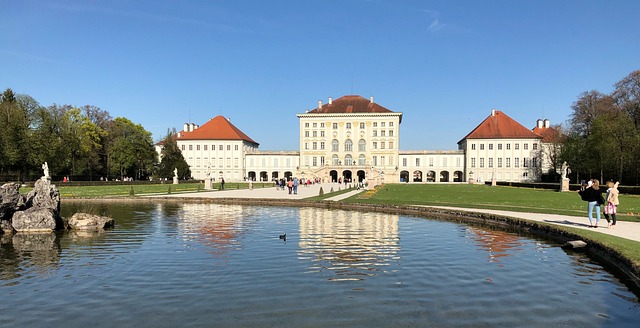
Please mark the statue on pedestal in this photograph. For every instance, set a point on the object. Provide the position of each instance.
(45, 168)
(565, 170)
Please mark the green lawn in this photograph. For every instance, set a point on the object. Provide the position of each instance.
(142, 189)
(510, 199)
(488, 197)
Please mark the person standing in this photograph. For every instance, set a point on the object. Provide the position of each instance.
(290, 185)
(593, 196)
(221, 183)
(612, 202)
(295, 186)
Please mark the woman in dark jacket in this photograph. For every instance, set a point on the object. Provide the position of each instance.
(593, 196)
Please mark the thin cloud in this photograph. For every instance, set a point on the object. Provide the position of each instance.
(31, 57)
(435, 25)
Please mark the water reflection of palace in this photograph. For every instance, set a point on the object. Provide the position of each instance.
(497, 243)
(351, 245)
(219, 227)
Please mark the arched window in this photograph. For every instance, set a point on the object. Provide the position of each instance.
(348, 145)
(362, 145)
(334, 160)
(361, 160)
(348, 160)
(334, 145)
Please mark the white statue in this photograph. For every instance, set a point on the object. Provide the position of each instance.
(45, 168)
(208, 170)
(565, 171)
(175, 172)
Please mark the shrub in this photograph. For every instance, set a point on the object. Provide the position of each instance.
(321, 192)
(169, 191)
(131, 192)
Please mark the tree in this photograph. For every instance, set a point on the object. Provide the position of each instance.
(130, 150)
(553, 138)
(615, 137)
(627, 96)
(14, 141)
(587, 108)
(171, 158)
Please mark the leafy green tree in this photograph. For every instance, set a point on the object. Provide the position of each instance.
(14, 141)
(615, 137)
(171, 158)
(130, 150)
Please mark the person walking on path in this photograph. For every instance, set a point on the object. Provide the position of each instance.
(593, 196)
(221, 183)
(290, 186)
(611, 203)
(295, 186)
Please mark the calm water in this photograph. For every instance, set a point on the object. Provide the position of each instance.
(205, 265)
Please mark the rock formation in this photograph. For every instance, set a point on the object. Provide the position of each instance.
(38, 211)
(84, 221)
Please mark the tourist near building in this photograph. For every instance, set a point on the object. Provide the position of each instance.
(355, 139)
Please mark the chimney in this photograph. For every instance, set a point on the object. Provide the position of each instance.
(371, 99)
(493, 112)
(330, 100)
(229, 119)
(192, 127)
(546, 123)
(186, 127)
(319, 104)
(539, 123)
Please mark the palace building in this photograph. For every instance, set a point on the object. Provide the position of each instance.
(356, 139)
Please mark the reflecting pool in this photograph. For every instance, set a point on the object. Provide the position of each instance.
(208, 265)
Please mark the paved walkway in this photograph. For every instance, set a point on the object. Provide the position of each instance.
(624, 229)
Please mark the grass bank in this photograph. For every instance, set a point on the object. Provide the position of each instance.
(145, 189)
(487, 197)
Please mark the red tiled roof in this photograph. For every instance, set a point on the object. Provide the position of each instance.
(500, 126)
(217, 128)
(548, 134)
(350, 104)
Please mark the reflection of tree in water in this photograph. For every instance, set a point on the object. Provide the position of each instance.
(351, 245)
(28, 253)
(219, 227)
(497, 243)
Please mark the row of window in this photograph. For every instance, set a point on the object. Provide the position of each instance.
(348, 125)
(516, 146)
(213, 147)
(273, 161)
(206, 162)
(348, 145)
(431, 161)
(348, 160)
(526, 162)
(314, 134)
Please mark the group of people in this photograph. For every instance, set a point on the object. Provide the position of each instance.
(591, 193)
(291, 184)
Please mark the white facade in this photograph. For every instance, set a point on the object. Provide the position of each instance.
(432, 166)
(221, 158)
(270, 165)
(352, 146)
(361, 146)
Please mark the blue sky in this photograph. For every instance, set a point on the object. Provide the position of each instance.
(443, 64)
